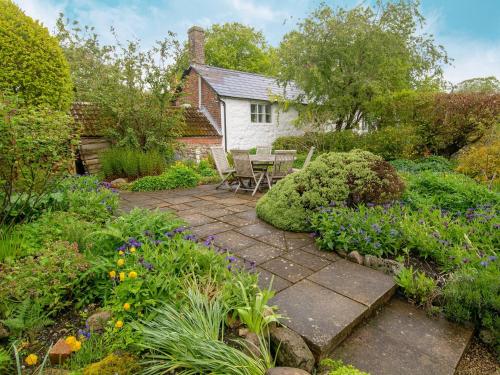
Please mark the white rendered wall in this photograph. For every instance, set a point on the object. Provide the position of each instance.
(244, 134)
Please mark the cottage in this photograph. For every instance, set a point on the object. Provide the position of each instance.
(231, 108)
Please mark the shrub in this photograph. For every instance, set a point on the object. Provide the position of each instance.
(482, 163)
(113, 364)
(431, 163)
(339, 368)
(47, 280)
(35, 152)
(177, 176)
(129, 163)
(416, 285)
(33, 64)
(354, 177)
(473, 294)
(447, 191)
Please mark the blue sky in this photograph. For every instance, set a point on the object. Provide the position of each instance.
(468, 29)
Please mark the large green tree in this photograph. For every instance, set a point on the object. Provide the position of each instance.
(32, 64)
(344, 59)
(480, 84)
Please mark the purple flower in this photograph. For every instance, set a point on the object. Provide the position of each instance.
(376, 228)
(190, 237)
(492, 258)
(209, 240)
(466, 260)
(230, 259)
(84, 333)
(179, 229)
(370, 204)
(484, 263)
(169, 234)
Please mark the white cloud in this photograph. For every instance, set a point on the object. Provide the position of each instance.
(44, 11)
(472, 58)
(248, 11)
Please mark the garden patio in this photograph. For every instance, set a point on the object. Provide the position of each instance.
(341, 308)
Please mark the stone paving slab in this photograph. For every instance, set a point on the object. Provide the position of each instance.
(233, 241)
(267, 279)
(401, 339)
(359, 283)
(306, 259)
(287, 269)
(260, 252)
(321, 316)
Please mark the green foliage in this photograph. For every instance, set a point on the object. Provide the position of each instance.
(345, 59)
(353, 177)
(190, 340)
(113, 364)
(448, 191)
(255, 314)
(177, 176)
(35, 152)
(46, 280)
(239, 47)
(5, 360)
(134, 88)
(482, 162)
(390, 143)
(481, 84)
(12, 244)
(33, 65)
(338, 368)
(416, 285)
(473, 294)
(431, 163)
(27, 317)
(130, 163)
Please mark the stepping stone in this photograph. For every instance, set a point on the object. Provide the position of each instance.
(233, 241)
(211, 229)
(287, 269)
(266, 277)
(259, 253)
(321, 316)
(359, 283)
(401, 339)
(305, 259)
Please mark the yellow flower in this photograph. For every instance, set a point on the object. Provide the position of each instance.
(118, 324)
(73, 343)
(132, 249)
(31, 360)
(132, 274)
(120, 262)
(112, 274)
(122, 276)
(126, 306)
(121, 252)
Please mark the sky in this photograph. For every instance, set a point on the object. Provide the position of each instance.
(468, 29)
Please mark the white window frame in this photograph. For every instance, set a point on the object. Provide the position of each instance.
(261, 113)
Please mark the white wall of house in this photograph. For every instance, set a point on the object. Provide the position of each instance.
(242, 133)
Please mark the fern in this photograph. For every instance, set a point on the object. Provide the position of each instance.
(28, 317)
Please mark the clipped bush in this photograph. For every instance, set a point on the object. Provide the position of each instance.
(353, 177)
(177, 176)
(33, 64)
(130, 163)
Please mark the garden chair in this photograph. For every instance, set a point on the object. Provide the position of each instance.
(308, 159)
(263, 150)
(244, 171)
(222, 165)
(283, 163)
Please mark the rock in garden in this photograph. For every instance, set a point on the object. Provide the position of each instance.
(118, 183)
(291, 349)
(59, 352)
(252, 344)
(388, 266)
(97, 321)
(4, 333)
(356, 257)
(286, 371)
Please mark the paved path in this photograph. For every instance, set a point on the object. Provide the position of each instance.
(323, 296)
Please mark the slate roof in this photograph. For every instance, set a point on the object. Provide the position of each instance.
(197, 125)
(236, 84)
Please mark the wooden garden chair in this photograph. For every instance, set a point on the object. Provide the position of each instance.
(245, 172)
(263, 150)
(283, 165)
(308, 159)
(222, 165)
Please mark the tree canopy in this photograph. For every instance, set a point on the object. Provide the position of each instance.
(344, 59)
(481, 84)
(33, 65)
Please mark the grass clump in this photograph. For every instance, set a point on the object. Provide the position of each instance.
(131, 163)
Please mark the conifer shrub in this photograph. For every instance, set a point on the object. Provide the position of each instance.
(351, 177)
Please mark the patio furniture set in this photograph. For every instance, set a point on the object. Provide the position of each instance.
(252, 172)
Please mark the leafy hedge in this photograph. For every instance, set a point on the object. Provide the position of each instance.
(44, 78)
(354, 177)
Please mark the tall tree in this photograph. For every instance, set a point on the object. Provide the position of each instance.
(343, 59)
(481, 84)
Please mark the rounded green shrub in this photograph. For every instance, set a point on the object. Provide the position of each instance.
(33, 64)
(351, 177)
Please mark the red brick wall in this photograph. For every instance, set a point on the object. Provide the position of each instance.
(209, 98)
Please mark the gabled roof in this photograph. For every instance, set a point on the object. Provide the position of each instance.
(236, 84)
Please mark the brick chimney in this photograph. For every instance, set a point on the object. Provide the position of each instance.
(196, 40)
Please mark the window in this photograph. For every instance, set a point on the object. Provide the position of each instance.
(260, 113)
